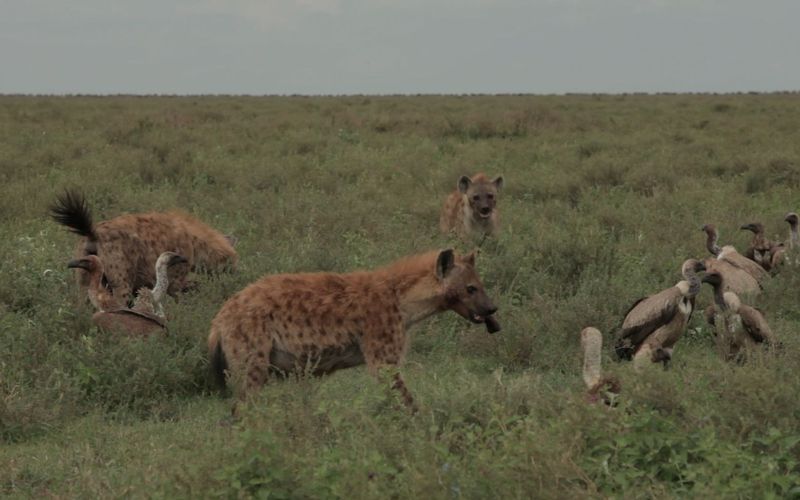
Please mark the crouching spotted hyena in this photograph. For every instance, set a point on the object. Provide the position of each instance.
(322, 322)
(129, 246)
(471, 210)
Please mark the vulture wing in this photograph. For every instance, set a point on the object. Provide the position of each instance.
(129, 321)
(731, 256)
(644, 317)
(735, 279)
(756, 326)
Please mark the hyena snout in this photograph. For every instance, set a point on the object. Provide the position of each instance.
(480, 309)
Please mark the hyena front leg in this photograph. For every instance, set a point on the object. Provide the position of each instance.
(384, 353)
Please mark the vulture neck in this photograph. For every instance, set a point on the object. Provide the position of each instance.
(711, 244)
(592, 360)
(719, 298)
(794, 237)
(162, 282)
(691, 286)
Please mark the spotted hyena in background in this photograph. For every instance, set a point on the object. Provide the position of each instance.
(471, 210)
(129, 245)
(323, 322)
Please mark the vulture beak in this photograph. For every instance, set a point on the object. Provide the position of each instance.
(78, 263)
(177, 259)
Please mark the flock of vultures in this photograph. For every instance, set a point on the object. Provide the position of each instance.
(320, 322)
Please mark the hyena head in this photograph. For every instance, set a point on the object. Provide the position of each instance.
(481, 194)
(462, 289)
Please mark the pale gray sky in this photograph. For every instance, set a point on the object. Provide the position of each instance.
(397, 46)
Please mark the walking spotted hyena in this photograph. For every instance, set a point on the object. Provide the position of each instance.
(471, 210)
(322, 322)
(129, 245)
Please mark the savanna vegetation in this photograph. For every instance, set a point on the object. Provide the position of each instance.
(604, 198)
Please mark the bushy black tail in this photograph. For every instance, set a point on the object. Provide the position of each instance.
(72, 210)
(218, 365)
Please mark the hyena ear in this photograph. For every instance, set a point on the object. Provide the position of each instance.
(498, 182)
(469, 259)
(445, 263)
(464, 183)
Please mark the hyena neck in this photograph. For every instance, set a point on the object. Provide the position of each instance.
(418, 298)
(415, 287)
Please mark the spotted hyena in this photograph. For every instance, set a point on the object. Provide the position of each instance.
(129, 245)
(471, 210)
(324, 322)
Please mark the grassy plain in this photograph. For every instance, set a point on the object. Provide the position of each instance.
(604, 198)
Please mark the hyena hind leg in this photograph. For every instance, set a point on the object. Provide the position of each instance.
(250, 374)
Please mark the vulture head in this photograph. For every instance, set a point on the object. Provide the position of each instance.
(689, 269)
(754, 227)
(168, 259)
(792, 219)
(89, 263)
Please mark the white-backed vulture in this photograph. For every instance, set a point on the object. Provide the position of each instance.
(99, 295)
(739, 327)
(786, 252)
(598, 386)
(151, 301)
(742, 275)
(654, 324)
(111, 315)
(761, 247)
(794, 235)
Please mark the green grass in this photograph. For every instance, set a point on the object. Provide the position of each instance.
(604, 199)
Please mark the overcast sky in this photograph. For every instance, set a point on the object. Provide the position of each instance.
(397, 46)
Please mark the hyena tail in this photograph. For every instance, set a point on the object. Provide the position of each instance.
(72, 210)
(218, 364)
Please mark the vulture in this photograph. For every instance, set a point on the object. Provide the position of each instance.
(111, 315)
(781, 251)
(794, 236)
(150, 301)
(742, 275)
(99, 295)
(739, 327)
(761, 248)
(598, 386)
(654, 324)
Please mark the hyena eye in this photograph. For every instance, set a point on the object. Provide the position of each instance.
(490, 196)
(476, 198)
(471, 289)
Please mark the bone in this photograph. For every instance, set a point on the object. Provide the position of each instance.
(492, 326)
